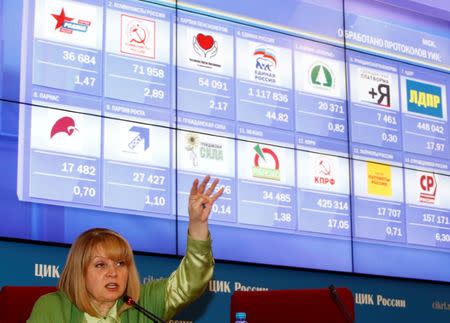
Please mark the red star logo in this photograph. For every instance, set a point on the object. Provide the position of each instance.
(61, 18)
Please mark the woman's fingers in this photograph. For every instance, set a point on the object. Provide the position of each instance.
(211, 189)
(194, 188)
(217, 195)
(202, 187)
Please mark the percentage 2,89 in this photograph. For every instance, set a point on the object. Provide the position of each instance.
(154, 93)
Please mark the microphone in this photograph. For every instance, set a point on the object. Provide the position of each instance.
(129, 301)
(335, 296)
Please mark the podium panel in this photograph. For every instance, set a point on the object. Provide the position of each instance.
(305, 305)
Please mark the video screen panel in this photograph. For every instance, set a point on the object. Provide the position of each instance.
(95, 134)
(398, 75)
(243, 82)
(332, 153)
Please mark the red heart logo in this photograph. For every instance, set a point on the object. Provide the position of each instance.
(205, 41)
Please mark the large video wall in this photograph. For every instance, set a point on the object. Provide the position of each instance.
(329, 136)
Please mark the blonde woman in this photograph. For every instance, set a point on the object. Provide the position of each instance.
(100, 270)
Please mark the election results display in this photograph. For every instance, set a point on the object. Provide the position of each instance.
(96, 135)
(331, 142)
(116, 128)
(398, 139)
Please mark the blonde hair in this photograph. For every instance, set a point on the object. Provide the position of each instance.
(73, 278)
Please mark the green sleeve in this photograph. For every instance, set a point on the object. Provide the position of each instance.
(191, 278)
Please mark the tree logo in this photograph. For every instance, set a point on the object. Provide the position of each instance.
(321, 76)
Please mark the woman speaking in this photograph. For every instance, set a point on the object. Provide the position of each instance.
(100, 270)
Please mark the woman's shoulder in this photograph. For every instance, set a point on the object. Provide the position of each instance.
(154, 289)
(154, 285)
(50, 307)
(51, 301)
(53, 297)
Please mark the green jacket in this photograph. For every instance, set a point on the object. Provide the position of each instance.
(163, 298)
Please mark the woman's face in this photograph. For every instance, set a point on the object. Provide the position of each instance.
(106, 280)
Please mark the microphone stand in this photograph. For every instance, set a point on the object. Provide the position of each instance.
(129, 301)
(338, 301)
